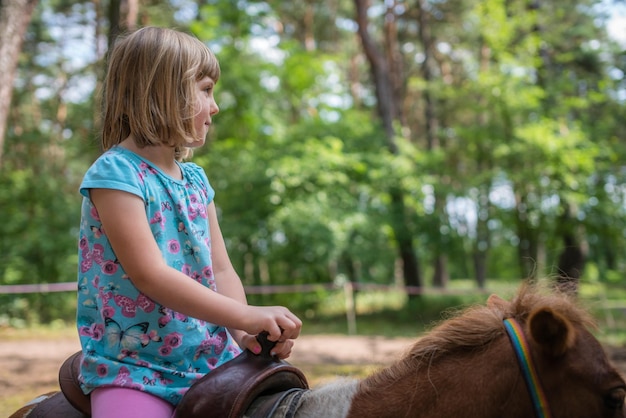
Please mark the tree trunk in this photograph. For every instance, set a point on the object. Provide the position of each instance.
(572, 259)
(431, 127)
(528, 248)
(388, 111)
(483, 236)
(482, 243)
(15, 15)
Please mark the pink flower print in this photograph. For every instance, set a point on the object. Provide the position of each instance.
(98, 332)
(94, 213)
(180, 317)
(193, 199)
(207, 272)
(123, 376)
(95, 331)
(174, 339)
(196, 276)
(109, 267)
(186, 269)
(123, 379)
(83, 245)
(173, 246)
(164, 320)
(165, 350)
(108, 312)
(211, 362)
(193, 212)
(145, 167)
(102, 370)
(158, 218)
(213, 343)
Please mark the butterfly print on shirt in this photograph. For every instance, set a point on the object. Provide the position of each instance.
(129, 306)
(131, 338)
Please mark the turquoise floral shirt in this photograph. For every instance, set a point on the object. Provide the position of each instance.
(128, 339)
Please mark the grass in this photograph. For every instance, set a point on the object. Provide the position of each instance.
(54, 331)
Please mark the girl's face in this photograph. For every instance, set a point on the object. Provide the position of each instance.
(206, 108)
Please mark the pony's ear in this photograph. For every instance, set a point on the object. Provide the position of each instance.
(553, 332)
(496, 302)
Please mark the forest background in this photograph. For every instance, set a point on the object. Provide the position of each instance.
(416, 144)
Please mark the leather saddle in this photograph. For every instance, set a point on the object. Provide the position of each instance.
(228, 391)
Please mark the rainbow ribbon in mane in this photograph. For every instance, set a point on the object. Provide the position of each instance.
(522, 351)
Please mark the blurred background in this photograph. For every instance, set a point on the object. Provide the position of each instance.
(382, 159)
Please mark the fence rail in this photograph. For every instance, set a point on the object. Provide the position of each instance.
(348, 289)
(255, 290)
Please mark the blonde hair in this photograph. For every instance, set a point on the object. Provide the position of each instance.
(150, 88)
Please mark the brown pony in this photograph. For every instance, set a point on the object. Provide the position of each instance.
(468, 367)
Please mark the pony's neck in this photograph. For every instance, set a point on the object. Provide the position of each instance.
(332, 400)
(453, 385)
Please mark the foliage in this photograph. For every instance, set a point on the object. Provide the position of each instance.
(526, 107)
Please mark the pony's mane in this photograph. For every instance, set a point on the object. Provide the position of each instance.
(475, 327)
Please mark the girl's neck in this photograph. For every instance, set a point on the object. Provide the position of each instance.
(159, 155)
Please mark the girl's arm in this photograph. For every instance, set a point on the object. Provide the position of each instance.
(229, 284)
(126, 226)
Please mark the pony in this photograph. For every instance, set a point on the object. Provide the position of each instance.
(533, 355)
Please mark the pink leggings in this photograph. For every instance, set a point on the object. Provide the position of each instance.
(114, 402)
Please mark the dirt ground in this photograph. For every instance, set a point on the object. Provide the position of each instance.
(31, 366)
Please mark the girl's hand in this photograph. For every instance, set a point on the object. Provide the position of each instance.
(282, 350)
(280, 323)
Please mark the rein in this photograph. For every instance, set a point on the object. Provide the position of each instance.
(522, 351)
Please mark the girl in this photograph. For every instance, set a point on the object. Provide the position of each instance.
(159, 302)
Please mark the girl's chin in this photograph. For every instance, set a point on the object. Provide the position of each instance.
(196, 144)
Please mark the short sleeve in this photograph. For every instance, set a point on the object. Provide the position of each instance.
(113, 171)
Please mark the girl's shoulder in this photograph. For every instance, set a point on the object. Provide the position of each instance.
(118, 158)
(116, 168)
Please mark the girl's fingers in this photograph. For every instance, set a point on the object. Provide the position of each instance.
(283, 349)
